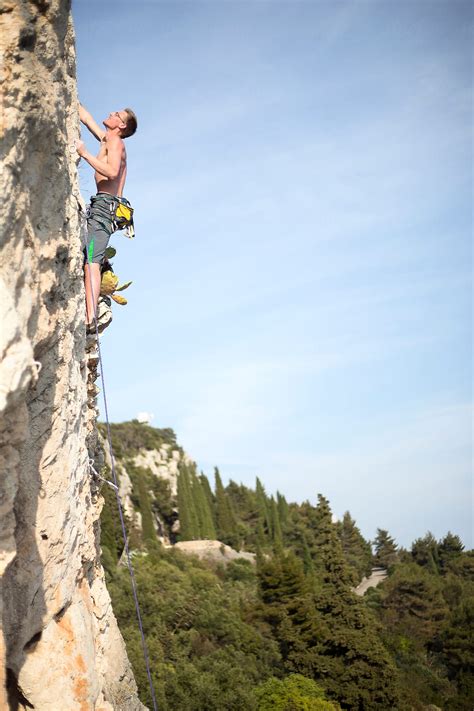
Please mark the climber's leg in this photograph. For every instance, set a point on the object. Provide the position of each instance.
(99, 228)
(92, 286)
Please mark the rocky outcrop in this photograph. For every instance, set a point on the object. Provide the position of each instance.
(163, 463)
(60, 646)
(214, 551)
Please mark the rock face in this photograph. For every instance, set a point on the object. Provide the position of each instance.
(60, 646)
(163, 463)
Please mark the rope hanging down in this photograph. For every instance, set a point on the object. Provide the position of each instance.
(114, 484)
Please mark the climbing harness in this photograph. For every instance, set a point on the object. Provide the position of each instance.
(121, 213)
(114, 484)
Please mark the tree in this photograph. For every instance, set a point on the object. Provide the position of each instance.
(385, 554)
(457, 650)
(188, 518)
(283, 510)
(328, 555)
(276, 527)
(307, 558)
(203, 510)
(204, 655)
(295, 693)
(450, 548)
(324, 630)
(357, 550)
(263, 509)
(355, 667)
(225, 519)
(287, 606)
(412, 605)
(424, 552)
(206, 487)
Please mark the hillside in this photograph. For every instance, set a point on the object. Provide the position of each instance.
(279, 627)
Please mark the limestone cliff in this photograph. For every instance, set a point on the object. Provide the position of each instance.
(60, 646)
(140, 448)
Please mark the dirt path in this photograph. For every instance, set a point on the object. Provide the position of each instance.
(376, 577)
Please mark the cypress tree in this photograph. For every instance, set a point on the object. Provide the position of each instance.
(283, 510)
(188, 519)
(260, 535)
(206, 487)
(183, 508)
(203, 511)
(263, 508)
(225, 519)
(276, 528)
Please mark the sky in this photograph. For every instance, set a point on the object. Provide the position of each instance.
(301, 306)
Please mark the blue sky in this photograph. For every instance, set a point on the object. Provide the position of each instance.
(301, 301)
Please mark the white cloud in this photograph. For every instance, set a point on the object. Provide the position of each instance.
(145, 417)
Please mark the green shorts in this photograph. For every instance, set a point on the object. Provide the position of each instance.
(100, 226)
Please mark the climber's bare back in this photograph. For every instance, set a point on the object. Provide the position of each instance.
(116, 185)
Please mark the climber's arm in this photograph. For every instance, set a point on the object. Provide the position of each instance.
(109, 168)
(89, 122)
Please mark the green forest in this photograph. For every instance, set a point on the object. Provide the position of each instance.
(286, 632)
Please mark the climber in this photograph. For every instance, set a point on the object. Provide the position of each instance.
(110, 167)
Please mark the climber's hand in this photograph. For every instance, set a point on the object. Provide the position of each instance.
(80, 147)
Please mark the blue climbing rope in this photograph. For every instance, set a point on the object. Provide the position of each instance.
(114, 475)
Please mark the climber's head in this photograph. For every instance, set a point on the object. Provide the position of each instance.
(125, 121)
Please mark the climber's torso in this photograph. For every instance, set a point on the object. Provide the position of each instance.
(108, 185)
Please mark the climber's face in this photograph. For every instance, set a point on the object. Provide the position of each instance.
(116, 119)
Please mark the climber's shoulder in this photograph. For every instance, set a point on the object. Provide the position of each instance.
(113, 140)
(115, 146)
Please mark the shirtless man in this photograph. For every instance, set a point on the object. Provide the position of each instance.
(110, 167)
